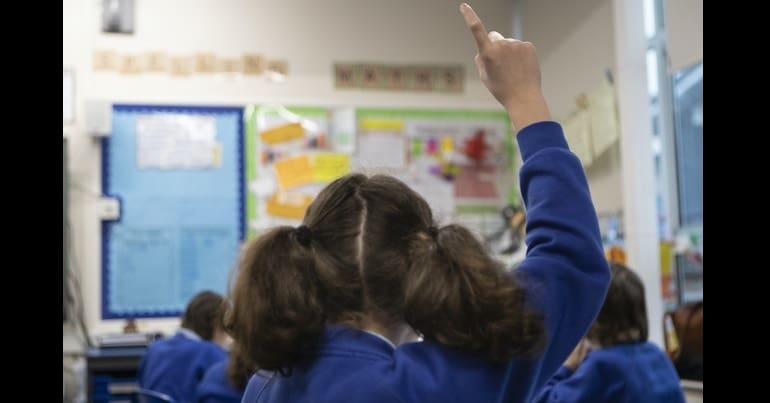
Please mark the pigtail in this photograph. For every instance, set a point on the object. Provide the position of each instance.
(277, 311)
(457, 295)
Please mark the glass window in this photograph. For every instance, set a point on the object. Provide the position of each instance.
(688, 132)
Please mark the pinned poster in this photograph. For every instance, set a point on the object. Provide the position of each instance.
(295, 171)
(605, 129)
(667, 284)
(343, 126)
(328, 167)
(288, 205)
(177, 141)
(283, 133)
(577, 130)
(396, 125)
(381, 150)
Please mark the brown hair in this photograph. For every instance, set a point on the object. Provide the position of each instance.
(369, 247)
(204, 314)
(623, 317)
(238, 368)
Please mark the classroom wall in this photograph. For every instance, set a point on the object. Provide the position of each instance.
(311, 35)
(684, 32)
(575, 44)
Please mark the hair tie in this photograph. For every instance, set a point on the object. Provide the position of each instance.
(433, 231)
(303, 235)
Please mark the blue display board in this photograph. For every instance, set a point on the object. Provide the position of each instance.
(182, 217)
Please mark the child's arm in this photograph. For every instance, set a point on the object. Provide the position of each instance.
(565, 271)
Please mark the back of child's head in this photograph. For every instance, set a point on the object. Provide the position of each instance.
(369, 247)
(623, 317)
(204, 314)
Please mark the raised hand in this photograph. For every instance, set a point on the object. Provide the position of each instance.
(510, 70)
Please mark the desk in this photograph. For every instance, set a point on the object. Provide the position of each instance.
(112, 371)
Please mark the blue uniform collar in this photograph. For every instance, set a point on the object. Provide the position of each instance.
(188, 333)
(346, 339)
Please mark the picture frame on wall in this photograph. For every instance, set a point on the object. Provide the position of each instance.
(69, 96)
(118, 16)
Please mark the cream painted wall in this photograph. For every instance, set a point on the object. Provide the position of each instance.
(575, 43)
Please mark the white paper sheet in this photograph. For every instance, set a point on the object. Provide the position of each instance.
(381, 150)
(175, 141)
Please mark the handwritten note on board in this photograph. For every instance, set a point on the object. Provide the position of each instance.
(295, 171)
(328, 167)
(283, 133)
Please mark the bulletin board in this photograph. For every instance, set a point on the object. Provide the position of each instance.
(178, 174)
(291, 154)
(460, 161)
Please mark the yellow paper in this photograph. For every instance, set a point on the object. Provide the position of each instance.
(283, 133)
(577, 131)
(294, 171)
(382, 124)
(666, 258)
(605, 128)
(328, 167)
(288, 205)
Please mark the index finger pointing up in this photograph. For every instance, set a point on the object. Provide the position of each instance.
(475, 25)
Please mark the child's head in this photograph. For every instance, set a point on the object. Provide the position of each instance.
(369, 250)
(623, 317)
(204, 315)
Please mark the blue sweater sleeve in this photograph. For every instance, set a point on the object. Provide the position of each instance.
(565, 271)
(586, 385)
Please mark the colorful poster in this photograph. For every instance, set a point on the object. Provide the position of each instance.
(291, 154)
(454, 159)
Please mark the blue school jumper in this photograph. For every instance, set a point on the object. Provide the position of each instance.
(215, 387)
(627, 373)
(175, 365)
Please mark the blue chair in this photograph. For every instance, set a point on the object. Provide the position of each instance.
(151, 396)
